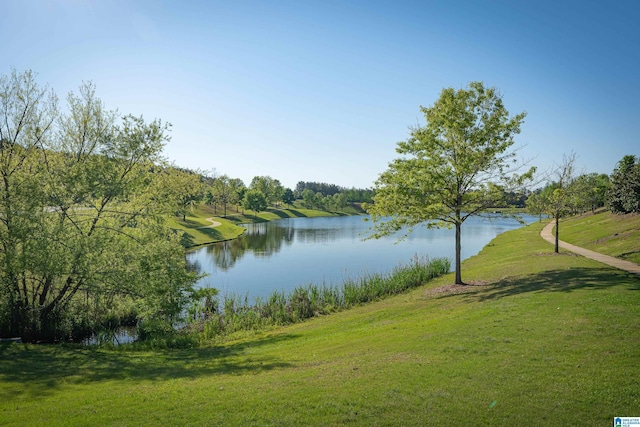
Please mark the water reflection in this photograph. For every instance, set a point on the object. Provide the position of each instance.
(280, 255)
(261, 240)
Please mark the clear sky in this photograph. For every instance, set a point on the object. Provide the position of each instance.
(323, 90)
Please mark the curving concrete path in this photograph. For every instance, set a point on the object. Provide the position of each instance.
(213, 222)
(547, 234)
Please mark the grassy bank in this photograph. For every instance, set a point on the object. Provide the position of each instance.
(604, 232)
(234, 313)
(198, 230)
(548, 340)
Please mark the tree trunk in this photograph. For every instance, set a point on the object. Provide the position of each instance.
(557, 229)
(458, 250)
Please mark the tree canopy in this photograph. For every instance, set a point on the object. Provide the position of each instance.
(82, 215)
(254, 200)
(457, 165)
(623, 196)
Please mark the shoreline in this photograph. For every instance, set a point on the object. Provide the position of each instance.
(229, 227)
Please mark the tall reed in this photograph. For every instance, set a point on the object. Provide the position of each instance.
(235, 313)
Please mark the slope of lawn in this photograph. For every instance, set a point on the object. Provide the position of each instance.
(540, 339)
(604, 232)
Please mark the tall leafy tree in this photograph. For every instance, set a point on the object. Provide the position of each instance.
(277, 193)
(184, 189)
(457, 165)
(238, 188)
(270, 187)
(81, 214)
(623, 195)
(309, 198)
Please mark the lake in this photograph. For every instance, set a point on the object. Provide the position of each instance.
(283, 254)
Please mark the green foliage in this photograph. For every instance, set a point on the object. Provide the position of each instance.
(287, 197)
(589, 191)
(560, 198)
(331, 195)
(623, 195)
(225, 191)
(271, 188)
(183, 189)
(456, 166)
(254, 200)
(311, 200)
(204, 303)
(82, 204)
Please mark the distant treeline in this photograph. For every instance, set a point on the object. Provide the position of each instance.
(353, 195)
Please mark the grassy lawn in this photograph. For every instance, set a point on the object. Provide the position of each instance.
(546, 340)
(615, 235)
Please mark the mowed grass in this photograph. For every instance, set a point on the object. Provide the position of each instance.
(615, 235)
(547, 340)
(198, 231)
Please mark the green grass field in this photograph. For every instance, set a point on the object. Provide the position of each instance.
(604, 232)
(542, 339)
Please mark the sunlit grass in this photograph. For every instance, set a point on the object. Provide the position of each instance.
(547, 340)
(234, 313)
(611, 234)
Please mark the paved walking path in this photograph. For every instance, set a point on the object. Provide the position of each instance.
(213, 222)
(547, 234)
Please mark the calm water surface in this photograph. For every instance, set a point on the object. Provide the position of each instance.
(283, 254)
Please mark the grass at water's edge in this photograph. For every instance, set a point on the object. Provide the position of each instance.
(234, 313)
(197, 230)
(540, 339)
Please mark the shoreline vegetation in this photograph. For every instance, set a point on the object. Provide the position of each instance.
(198, 231)
(218, 318)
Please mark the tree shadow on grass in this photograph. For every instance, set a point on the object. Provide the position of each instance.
(297, 213)
(279, 213)
(629, 256)
(565, 280)
(211, 233)
(38, 370)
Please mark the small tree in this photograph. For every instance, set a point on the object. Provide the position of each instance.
(557, 198)
(225, 191)
(535, 204)
(288, 197)
(456, 166)
(254, 200)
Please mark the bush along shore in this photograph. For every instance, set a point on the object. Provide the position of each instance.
(218, 316)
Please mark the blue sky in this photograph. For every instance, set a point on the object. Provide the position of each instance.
(323, 90)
